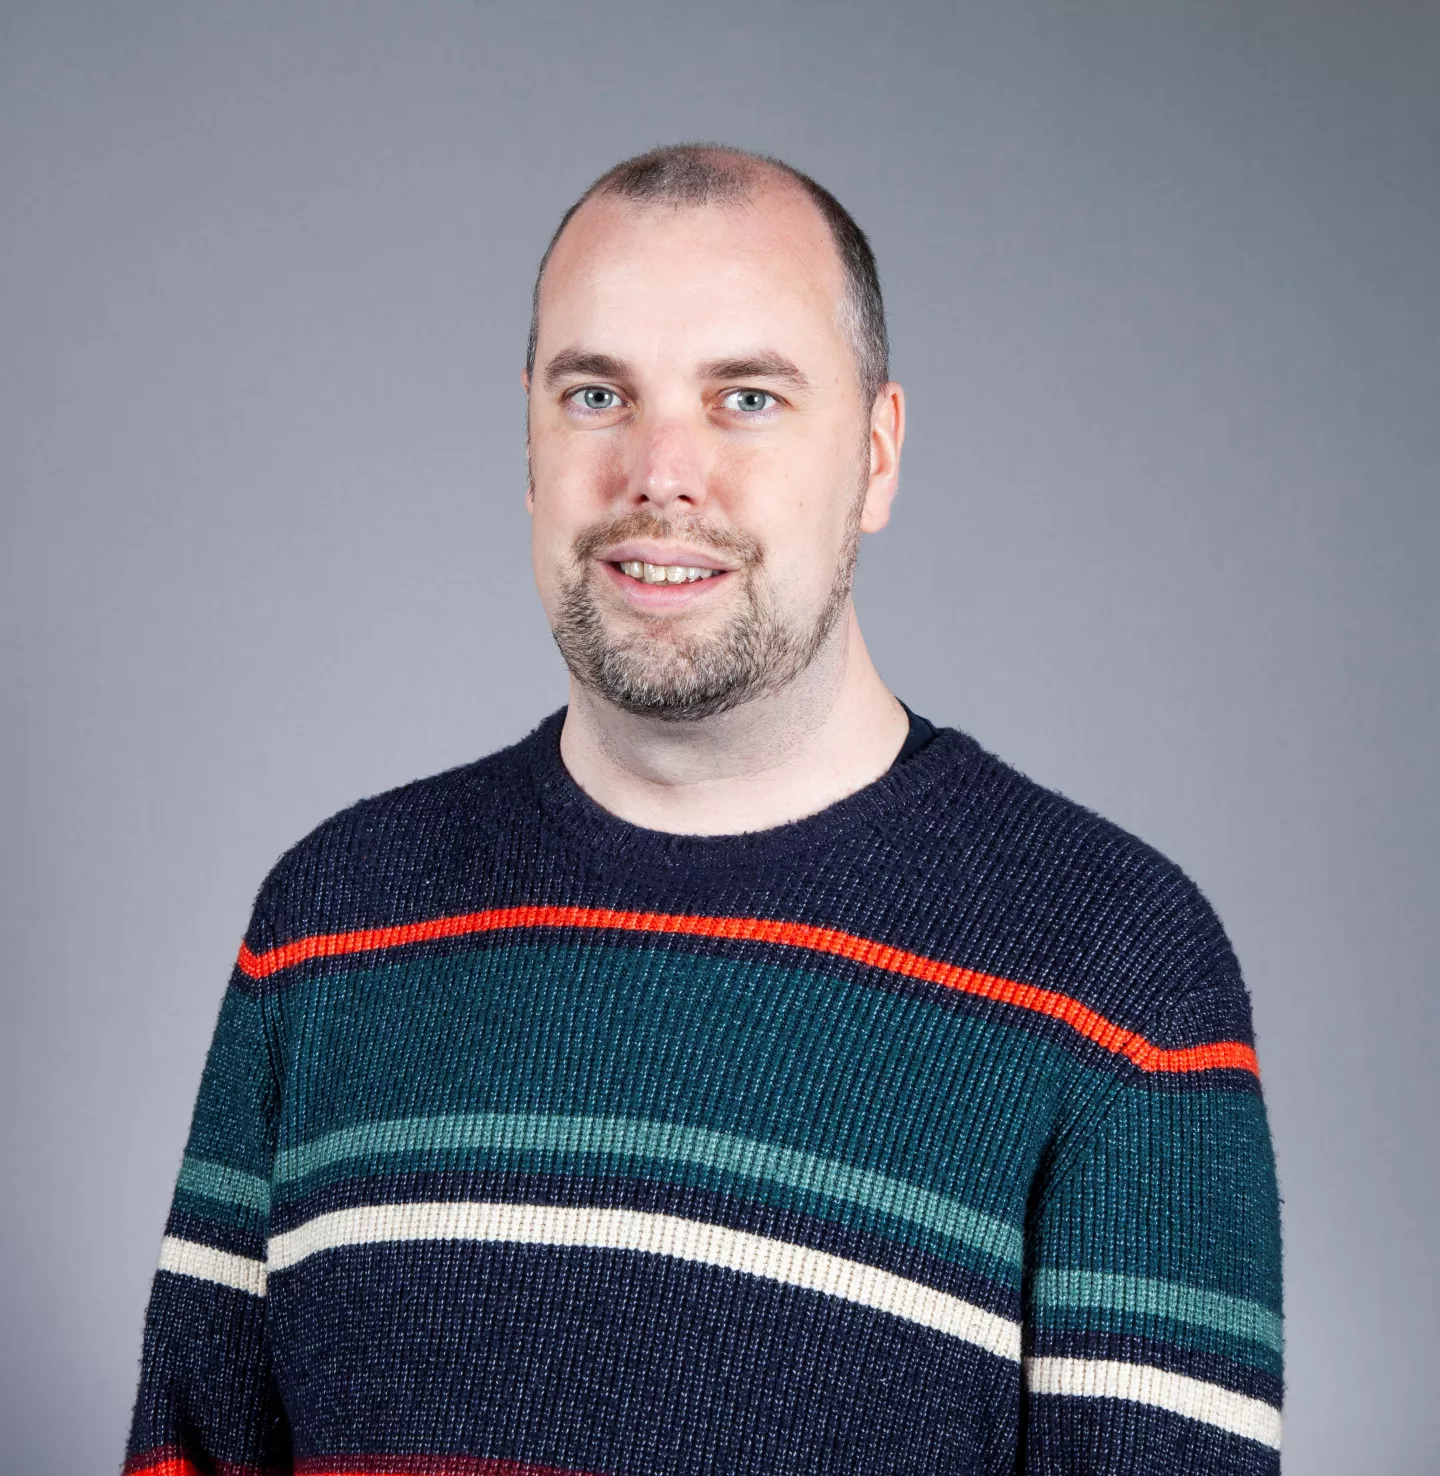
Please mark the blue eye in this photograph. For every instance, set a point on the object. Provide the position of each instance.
(748, 401)
(597, 397)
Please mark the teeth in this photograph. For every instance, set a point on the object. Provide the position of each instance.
(664, 573)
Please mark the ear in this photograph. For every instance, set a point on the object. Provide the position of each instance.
(887, 435)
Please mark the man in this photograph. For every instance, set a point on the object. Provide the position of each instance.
(738, 1074)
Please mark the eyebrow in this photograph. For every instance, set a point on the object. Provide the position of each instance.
(766, 365)
(570, 362)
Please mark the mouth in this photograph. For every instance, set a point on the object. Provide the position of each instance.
(643, 573)
(659, 574)
(654, 588)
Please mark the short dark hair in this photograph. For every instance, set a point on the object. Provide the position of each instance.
(701, 174)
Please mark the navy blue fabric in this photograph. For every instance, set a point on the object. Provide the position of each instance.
(1077, 1437)
(920, 732)
(239, 1421)
(650, 1368)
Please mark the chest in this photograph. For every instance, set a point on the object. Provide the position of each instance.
(732, 1073)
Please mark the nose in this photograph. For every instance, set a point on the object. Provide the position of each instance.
(671, 465)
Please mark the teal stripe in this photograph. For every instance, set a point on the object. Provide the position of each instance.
(226, 1185)
(628, 1137)
(1174, 1301)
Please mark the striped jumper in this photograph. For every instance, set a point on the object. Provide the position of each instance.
(922, 1135)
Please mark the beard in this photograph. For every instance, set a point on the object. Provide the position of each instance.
(681, 677)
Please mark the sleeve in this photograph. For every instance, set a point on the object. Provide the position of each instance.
(207, 1400)
(1153, 1336)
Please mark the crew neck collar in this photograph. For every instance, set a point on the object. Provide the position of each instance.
(879, 808)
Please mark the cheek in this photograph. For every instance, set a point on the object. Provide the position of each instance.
(574, 484)
(573, 473)
(799, 509)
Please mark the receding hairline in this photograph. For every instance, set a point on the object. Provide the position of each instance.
(711, 174)
(753, 188)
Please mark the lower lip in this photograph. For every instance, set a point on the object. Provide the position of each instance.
(663, 596)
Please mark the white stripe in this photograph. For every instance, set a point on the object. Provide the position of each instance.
(205, 1263)
(664, 1235)
(1139, 1384)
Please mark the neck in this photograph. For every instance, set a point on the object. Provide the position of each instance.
(777, 758)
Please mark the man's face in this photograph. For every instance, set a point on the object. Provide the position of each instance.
(700, 456)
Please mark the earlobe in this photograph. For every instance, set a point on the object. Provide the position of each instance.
(876, 512)
(525, 380)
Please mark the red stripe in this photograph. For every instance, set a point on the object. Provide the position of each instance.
(1221, 1055)
(169, 1460)
(421, 1465)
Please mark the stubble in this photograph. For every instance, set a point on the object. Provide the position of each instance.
(654, 667)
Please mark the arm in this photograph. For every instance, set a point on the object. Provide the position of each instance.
(1153, 1314)
(207, 1400)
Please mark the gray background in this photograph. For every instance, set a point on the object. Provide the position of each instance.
(1163, 285)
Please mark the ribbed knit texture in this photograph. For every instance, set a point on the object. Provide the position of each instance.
(923, 1135)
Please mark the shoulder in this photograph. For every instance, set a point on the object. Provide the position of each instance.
(1058, 896)
(412, 851)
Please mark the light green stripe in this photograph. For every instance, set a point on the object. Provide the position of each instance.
(1169, 1299)
(227, 1185)
(631, 1137)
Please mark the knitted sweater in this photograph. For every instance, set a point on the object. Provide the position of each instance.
(921, 1135)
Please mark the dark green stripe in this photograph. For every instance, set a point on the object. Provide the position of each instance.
(790, 1056)
(237, 1098)
(1190, 1178)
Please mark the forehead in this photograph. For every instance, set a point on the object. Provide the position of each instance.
(763, 272)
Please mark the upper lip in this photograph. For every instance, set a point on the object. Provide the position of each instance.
(663, 553)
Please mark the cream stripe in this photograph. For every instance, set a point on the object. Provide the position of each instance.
(205, 1263)
(1140, 1384)
(664, 1235)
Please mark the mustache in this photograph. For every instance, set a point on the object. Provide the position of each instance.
(641, 523)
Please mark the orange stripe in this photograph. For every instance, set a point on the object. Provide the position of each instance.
(165, 1461)
(424, 1466)
(1222, 1055)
